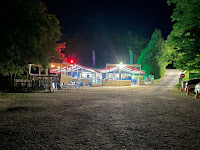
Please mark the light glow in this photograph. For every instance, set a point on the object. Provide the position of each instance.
(121, 66)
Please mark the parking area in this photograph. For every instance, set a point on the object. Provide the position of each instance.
(145, 117)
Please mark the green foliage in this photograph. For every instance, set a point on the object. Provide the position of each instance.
(30, 35)
(186, 76)
(177, 87)
(152, 58)
(185, 36)
(139, 78)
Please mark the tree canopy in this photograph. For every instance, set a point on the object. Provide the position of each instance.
(30, 35)
(134, 42)
(151, 58)
(184, 39)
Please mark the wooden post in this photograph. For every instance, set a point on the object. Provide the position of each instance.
(28, 72)
(71, 70)
(60, 74)
(64, 71)
(77, 71)
(46, 73)
(60, 69)
(81, 72)
(67, 70)
(39, 72)
(29, 69)
(95, 77)
(67, 74)
(120, 73)
(107, 75)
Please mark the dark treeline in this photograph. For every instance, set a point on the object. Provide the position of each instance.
(110, 47)
(29, 35)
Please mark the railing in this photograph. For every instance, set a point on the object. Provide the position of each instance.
(35, 84)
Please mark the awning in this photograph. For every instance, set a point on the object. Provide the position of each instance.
(124, 68)
(132, 70)
(74, 68)
(78, 67)
(109, 69)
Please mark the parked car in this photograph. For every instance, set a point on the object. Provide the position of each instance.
(191, 84)
(197, 88)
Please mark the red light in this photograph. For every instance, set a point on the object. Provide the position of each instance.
(71, 61)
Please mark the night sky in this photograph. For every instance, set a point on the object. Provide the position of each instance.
(140, 16)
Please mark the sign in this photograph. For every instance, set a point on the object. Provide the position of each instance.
(182, 75)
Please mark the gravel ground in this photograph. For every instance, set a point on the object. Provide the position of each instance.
(147, 117)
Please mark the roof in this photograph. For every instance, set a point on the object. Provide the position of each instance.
(133, 70)
(74, 68)
(124, 68)
(127, 69)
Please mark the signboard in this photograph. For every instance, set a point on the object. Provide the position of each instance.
(182, 75)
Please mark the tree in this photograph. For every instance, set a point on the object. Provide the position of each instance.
(184, 39)
(135, 43)
(59, 48)
(30, 35)
(151, 58)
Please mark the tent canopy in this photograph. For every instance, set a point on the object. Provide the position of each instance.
(123, 68)
(69, 68)
(75, 67)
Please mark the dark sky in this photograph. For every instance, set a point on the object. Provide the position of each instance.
(140, 16)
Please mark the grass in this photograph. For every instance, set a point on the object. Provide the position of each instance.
(177, 87)
(7, 95)
(156, 81)
(13, 95)
(135, 87)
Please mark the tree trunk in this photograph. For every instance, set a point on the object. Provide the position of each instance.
(11, 82)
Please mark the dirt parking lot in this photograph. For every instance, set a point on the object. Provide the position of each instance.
(148, 117)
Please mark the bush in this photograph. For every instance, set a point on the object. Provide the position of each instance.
(139, 77)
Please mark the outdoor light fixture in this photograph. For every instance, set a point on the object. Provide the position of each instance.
(120, 62)
(52, 65)
(58, 66)
(71, 61)
(121, 66)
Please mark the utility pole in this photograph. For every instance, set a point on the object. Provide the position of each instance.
(93, 57)
(131, 56)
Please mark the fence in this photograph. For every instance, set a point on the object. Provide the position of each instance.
(35, 84)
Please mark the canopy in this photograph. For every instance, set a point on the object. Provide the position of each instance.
(78, 67)
(74, 68)
(123, 68)
(133, 70)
